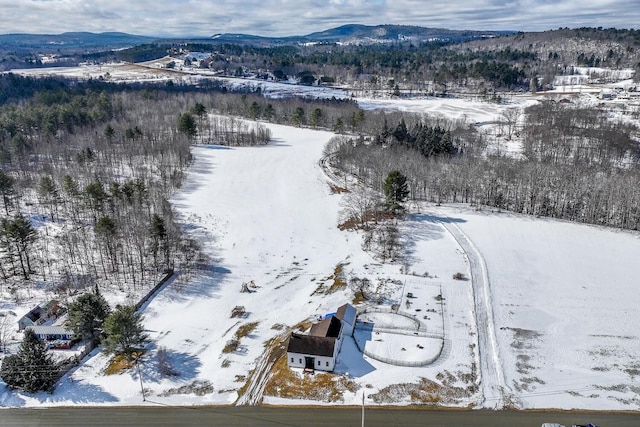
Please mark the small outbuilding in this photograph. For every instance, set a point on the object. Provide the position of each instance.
(56, 337)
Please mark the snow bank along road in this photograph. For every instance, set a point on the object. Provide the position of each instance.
(494, 390)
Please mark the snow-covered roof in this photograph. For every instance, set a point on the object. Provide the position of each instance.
(50, 330)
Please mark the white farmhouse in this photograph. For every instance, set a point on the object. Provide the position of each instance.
(319, 349)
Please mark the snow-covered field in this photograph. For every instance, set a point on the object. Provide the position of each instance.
(560, 298)
(565, 304)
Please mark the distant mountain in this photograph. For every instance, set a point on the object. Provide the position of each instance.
(69, 42)
(86, 42)
(393, 33)
(365, 34)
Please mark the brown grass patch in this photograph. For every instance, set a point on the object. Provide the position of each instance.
(425, 392)
(243, 389)
(121, 363)
(231, 346)
(305, 325)
(339, 281)
(358, 298)
(243, 331)
(451, 389)
(289, 384)
(246, 329)
(199, 388)
(335, 189)
(362, 223)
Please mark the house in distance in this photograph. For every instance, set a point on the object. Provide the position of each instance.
(41, 314)
(318, 350)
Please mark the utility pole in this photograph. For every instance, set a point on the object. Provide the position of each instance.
(363, 408)
(140, 376)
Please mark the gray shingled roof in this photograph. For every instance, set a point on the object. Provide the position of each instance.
(307, 344)
(347, 313)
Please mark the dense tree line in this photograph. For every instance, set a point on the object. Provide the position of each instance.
(581, 167)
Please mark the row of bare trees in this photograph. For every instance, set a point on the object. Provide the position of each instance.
(586, 170)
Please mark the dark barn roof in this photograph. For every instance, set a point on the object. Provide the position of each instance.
(329, 327)
(307, 344)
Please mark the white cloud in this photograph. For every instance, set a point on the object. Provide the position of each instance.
(295, 17)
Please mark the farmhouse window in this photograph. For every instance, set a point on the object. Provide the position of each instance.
(318, 363)
(327, 364)
(292, 360)
(300, 360)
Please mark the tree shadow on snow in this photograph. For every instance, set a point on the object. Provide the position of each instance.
(204, 283)
(176, 364)
(435, 219)
(276, 143)
(72, 390)
(199, 173)
(420, 228)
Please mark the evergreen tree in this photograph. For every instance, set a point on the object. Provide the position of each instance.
(158, 234)
(32, 369)
(316, 117)
(187, 125)
(88, 312)
(18, 235)
(109, 132)
(254, 110)
(6, 190)
(395, 190)
(11, 371)
(298, 117)
(125, 333)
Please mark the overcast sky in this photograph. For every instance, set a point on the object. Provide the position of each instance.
(299, 17)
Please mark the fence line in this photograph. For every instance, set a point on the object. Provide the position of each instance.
(421, 331)
(155, 289)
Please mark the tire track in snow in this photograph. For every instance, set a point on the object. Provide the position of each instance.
(261, 373)
(495, 393)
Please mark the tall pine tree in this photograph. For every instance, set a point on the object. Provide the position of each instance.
(125, 333)
(88, 312)
(395, 190)
(32, 369)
